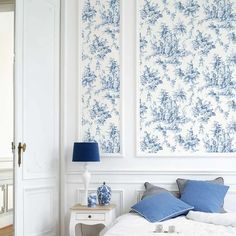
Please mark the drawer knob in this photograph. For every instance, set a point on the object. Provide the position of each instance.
(89, 216)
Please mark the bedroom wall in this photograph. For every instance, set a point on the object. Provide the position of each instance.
(6, 87)
(6, 118)
(127, 172)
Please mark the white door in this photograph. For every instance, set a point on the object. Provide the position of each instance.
(37, 117)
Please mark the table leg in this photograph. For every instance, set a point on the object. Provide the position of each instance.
(72, 228)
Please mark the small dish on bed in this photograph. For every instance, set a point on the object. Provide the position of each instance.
(165, 233)
(159, 230)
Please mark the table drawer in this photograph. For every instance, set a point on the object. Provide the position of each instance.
(87, 216)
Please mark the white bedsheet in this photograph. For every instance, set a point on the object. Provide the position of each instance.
(134, 225)
(226, 219)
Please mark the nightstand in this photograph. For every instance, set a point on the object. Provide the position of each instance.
(91, 216)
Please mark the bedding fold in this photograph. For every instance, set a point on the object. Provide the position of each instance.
(225, 219)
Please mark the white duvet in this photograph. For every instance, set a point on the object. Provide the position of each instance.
(134, 225)
(226, 219)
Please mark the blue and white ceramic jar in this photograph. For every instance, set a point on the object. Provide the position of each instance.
(92, 200)
(104, 194)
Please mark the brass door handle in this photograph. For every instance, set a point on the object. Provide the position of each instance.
(21, 147)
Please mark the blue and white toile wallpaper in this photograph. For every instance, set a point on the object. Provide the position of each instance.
(100, 65)
(187, 82)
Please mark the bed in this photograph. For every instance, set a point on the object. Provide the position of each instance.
(132, 224)
(198, 210)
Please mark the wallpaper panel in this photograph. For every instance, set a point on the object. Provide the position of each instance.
(187, 76)
(100, 72)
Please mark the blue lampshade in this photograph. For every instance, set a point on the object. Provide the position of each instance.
(86, 152)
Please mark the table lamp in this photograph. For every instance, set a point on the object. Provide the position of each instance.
(86, 152)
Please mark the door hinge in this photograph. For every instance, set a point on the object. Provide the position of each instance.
(13, 147)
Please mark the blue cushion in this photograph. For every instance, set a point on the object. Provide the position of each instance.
(204, 196)
(161, 207)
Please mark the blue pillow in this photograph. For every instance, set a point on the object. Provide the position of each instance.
(204, 196)
(161, 207)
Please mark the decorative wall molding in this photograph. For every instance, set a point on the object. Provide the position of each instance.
(208, 131)
(157, 172)
(6, 200)
(6, 175)
(8, 171)
(3, 198)
(6, 164)
(106, 125)
(6, 159)
(163, 178)
(9, 198)
(7, 2)
(7, 5)
(182, 155)
(127, 187)
(129, 173)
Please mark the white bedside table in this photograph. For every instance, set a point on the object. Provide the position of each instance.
(91, 216)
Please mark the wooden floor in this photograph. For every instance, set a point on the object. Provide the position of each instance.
(7, 231)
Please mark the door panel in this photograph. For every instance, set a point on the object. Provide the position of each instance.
(39, 211)
(37, 117)
(39, 85)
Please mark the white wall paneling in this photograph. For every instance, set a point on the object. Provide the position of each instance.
(125, 174)
(9, 196)
(6, 163)
(6, 197)
(6, 82)
(2, 198)
(127, 185)
(71, 93)
(6, 104)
